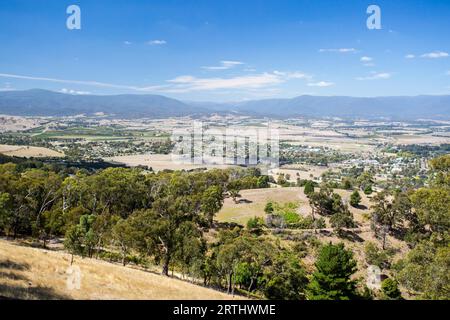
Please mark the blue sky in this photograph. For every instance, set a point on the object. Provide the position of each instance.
(226, 50)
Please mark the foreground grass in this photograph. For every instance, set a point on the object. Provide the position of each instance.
(31, 273)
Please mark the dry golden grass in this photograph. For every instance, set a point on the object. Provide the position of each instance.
(15, 123)
(429, 139)
(31, 273)
(27, 152)
(159, 162)
(305, 172)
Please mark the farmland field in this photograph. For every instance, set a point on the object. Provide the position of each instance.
(158, 162)
(27, 151)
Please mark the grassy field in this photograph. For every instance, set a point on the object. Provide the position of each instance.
(252, 203)
(31, 273)
(159, 162)
(305, 172)
(27, 151)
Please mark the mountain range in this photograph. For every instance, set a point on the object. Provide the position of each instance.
(38, 102)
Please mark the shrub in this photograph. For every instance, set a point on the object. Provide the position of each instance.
(309, 188)
(375, 256)
(355, 199)
(390, 289)
(255, 223)
(368, 190)
(268, 209)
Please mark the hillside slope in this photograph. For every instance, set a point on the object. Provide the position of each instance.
(30, 273)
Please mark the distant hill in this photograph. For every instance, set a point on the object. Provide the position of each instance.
(38, 102)
(47, 103)
(437, 107)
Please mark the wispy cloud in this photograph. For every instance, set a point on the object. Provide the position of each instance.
(186, 83)
(367, 61)
(292, 75)
(321, 84)
(435, 55)
(224, 65)
(429, 55)
(376, 76)
(74, 92)
(190, 83)
(339, 50)
(448, 72)
(266, 80)
(127, 43)
(78, 82)
(157, 42)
